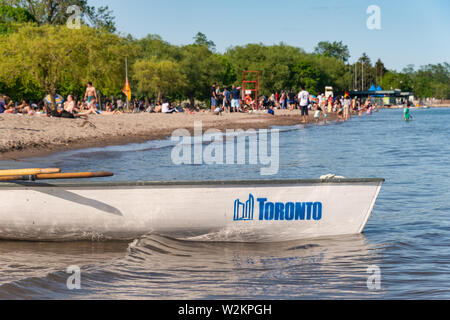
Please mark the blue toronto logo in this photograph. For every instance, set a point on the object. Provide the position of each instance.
(277, 211)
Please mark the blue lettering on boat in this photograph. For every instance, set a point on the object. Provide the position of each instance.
(277, 211)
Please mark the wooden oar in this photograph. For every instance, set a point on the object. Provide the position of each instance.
(24, 172)
(57, 176)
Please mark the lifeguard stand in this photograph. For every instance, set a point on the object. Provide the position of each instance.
(250, 87)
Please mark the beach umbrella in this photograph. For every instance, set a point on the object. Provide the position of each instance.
(58, 99)
(313, 98)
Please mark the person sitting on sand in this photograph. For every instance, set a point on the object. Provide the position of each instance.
(168, 108)
(218, 111)
(70, 111)
(109, 106)
(3, 104)
(9, 108)
(92, 109)
(158, 108)
(24, 108)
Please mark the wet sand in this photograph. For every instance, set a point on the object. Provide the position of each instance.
(30, 136)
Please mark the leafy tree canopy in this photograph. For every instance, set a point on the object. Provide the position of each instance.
(10, 16)
(333, 49)
(56, 12)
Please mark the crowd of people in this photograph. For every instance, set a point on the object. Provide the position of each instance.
(321, 105)
(230, 100)
(72, 108)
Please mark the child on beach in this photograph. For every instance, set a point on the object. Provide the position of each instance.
(317, 113)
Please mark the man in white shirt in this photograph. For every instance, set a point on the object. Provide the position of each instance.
(303, 98)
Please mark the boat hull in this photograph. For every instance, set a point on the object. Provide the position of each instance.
(264, 211)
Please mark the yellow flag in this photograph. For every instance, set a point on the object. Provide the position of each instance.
(127, 90)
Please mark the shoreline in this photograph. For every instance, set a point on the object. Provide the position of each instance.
(28, 137)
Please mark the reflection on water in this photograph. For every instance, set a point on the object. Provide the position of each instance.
(408, 236)
(156, 267)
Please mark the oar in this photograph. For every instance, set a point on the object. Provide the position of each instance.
(57, 176)
(23, 172)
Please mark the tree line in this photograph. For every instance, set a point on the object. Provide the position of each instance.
(41, 55)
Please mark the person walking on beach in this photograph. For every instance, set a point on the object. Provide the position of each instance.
(323, 105)
(347, 106)
(303, 98)
(291, 102)
(339, 110)
(283, 100)
(227, 100)
(235, 99)
(214, 98)
(219, 97)
(330, 104)
(91, 95)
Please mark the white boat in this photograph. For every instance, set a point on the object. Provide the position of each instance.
(240, 211)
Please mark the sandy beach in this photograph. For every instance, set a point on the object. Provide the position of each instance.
(25, 136)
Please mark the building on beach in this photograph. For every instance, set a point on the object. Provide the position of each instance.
(384, 97)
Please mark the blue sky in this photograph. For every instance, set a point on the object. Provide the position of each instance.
(412, 32)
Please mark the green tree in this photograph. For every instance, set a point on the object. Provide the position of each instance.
(275, 64)
(200, 39)
(380, 70)
(52, 56)
(333, 72)
(158, 77)
(10, 16)
(55, 12)
(154, 46)
(333, 49)
(432, 81)
(201, 68)
(305, 75)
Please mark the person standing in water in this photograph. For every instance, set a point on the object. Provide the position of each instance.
(91, 95)
(303, 99)
(407, 113)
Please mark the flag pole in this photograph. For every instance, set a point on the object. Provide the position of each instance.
(126, 72)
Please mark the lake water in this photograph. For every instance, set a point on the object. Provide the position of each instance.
(408, 236)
